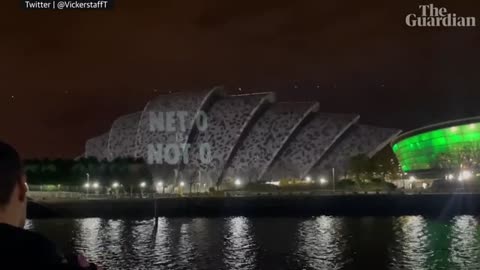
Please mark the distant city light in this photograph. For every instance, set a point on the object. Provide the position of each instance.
(143, 184)
(323, 181)
(238, 182)
(275, 183)
(115, 185)
(465, 175)
(95, 185)
(182, 183)
(87, 185)
(308, 179)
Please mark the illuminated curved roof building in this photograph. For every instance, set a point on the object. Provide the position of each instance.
(439, 147)
(249, 136)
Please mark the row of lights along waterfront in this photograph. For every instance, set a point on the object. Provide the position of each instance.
(143, 185)
(322, 180)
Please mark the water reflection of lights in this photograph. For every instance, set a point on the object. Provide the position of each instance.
(464, 249)
(239, 244)
(120, 241)
(410, 250)
(202, 238)
(140, 239)
(185, 249)
(88, 240)
(161, 244)
(321, 243)
(244, 243)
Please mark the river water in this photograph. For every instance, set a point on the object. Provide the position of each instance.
(323, 242)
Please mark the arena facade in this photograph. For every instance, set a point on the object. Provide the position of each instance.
(441, 148)
(218, 138)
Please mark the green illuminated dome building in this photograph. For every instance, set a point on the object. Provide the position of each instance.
(441, 148)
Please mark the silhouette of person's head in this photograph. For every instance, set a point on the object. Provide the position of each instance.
(13, 187)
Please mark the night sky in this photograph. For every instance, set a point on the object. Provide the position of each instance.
(66, 75)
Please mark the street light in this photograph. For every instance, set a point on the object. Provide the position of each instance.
(180, 189)
(308, 179)
(160, 186)
(87, 185)
(95, 185)
(411, 179)
(238, 182)
(465, 175)
(323, 181)
(142, 187)
(115, 185)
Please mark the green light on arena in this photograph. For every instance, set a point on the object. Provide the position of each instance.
(422, 151)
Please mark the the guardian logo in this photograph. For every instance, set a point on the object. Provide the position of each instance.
(431, 16)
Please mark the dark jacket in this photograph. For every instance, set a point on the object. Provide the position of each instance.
(22, 249)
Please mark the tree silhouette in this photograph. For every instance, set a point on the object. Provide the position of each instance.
(360, 165)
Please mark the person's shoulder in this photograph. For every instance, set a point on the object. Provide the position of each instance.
(22, 235)
(32, 245)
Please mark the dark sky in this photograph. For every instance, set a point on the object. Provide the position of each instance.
(66, 75)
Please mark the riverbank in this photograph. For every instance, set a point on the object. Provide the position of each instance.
(337, 205)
